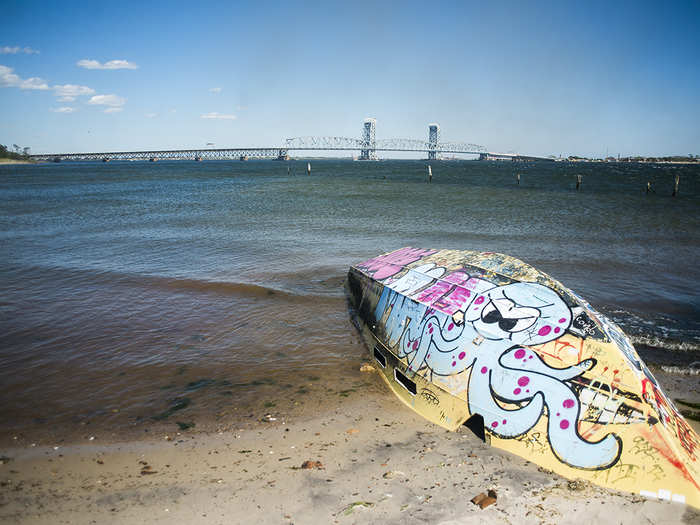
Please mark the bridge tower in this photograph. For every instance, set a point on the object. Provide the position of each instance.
(369, 140)
(433, 140)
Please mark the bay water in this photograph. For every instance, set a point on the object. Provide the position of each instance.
(135, 292)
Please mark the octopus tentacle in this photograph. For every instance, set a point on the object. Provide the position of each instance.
(435, 347)
(569, 446)
(575, 451)
(502, 422)
(563, 409)
(527, 360)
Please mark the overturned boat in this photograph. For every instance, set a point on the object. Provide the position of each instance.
(487, 340)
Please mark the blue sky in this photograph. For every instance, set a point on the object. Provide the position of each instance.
(540, 78)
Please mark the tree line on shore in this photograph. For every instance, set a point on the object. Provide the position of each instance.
(16, 152)
(671, 158)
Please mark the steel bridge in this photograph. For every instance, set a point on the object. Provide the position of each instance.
(349, 144)
(281, 152)
(367, 146)
(180, 154)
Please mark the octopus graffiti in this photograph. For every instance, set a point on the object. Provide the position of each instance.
(464, 333)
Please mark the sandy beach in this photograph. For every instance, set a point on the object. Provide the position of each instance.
(15, 161)
(364, 458)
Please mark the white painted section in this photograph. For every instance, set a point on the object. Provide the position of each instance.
(665, 494)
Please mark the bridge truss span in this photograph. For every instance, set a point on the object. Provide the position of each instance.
(352, 144)
(183, 154)
(331, 143)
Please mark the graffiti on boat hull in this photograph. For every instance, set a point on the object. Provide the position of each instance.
(486, 336)
(482, 333)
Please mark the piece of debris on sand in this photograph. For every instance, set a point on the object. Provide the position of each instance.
(308, 464)
(483, 500)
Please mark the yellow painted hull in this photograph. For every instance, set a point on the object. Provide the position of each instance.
(485, 337)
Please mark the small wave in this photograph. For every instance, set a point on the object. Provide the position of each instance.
(80, 277)
(668, 344)
(683, 370)
(660, 331)
(241, 288)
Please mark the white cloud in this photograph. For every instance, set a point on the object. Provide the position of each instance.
(65, 93)
(107, 100)
(151, 115)
(215, 90)
(68, 92)
(10, 79)
(7, 50)
(33, 83)
(64, 109)
(218, 116)
(112, 64)
(113, 110)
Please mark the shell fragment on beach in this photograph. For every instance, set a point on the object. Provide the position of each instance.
(483, 500)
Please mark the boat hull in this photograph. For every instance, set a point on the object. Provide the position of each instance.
(486, 339)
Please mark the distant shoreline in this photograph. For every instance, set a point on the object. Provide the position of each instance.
(691, 163)
(16, 161)
(7, 162)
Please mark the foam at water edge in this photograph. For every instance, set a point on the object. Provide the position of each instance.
(686, 371)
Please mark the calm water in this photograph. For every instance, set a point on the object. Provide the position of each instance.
(130, 291)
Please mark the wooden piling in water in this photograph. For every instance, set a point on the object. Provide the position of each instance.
(579, 180)
(430, 174)
(675, 185)
(517, 177)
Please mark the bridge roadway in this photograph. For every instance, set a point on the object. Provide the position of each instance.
(180, 154)
(282, 152)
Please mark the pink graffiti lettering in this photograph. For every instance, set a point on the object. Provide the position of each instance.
(458, 277)
(392, 263)
(448, 294)
(453, 301)
(432, 294)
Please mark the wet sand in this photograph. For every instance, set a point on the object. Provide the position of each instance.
(372, 461)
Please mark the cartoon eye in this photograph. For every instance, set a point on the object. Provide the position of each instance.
(509, 317)
(490, 312)
(522, 324)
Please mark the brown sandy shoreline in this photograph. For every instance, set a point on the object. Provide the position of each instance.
(7, 162)
(380, 463)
